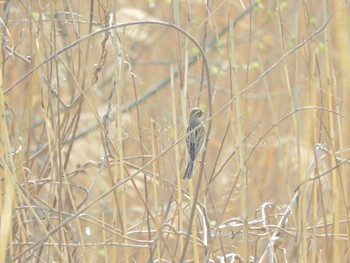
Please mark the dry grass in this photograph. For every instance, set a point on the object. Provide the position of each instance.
(93, 112)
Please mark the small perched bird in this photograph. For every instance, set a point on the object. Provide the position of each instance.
(194, 140)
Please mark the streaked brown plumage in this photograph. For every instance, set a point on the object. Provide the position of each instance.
(195, 140)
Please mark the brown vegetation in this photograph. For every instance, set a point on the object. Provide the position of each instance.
(94, 104)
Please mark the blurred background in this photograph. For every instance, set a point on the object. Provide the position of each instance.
(94, 118)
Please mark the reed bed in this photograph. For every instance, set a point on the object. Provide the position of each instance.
(94, 102)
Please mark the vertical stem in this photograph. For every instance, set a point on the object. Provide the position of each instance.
(341, 41)
(6, 206)
(241, 152)
(119, 167)
(177, 157)
(155, 182)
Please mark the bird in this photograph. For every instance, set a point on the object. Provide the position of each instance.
(194, 140)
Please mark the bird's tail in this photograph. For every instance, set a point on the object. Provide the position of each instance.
(189, 170)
